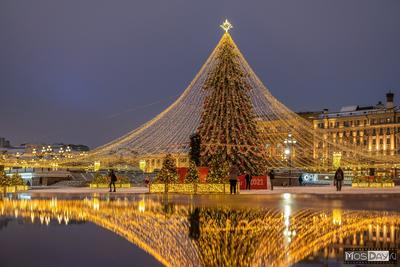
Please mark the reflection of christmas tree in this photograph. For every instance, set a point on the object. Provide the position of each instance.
(231, 237)
(192, 175)
(228, 120)
(168, 173)
(194, 224)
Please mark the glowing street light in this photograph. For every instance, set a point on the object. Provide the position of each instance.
(287, 151)
(289, 142)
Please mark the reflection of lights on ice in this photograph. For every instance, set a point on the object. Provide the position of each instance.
(337, 217)
(59, 219)
(286, 218)
(287, 211)
(289, 233)
(142, 206)
(96, 204)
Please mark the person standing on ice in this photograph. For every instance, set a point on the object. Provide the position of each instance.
(339, 177)
(248, 180)
(113, 179)
(271, 176)
(233, 174)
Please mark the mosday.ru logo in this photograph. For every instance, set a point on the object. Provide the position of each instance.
(378, 255)
(363, 255)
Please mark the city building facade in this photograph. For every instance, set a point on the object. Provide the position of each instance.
(373, 129)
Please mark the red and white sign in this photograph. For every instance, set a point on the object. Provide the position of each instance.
(257, 182)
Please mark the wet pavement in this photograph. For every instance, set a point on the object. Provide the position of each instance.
(125, 229)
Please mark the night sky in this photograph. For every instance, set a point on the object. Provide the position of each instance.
(88, 71)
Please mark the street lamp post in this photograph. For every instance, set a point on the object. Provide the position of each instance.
(289, 142)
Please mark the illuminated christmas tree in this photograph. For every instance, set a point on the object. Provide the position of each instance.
(12, 180)
(192, 175)
(16, 179)
(194, 152)
(168, 173)
(228, 124)
(218, 168)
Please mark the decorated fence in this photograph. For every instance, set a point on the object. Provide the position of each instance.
(13, 188)
(194, 188)
(372, 182)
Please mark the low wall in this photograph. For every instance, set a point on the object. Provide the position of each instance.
(199, 188)
(13, 189)
(373, 185)
(117, 185)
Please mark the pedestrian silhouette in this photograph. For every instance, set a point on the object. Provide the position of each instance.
(338, 180)
(113, 179)
(233, 174)
(271, 175)
(248, 181)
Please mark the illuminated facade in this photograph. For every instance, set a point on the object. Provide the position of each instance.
(153, 163)
(372, 129)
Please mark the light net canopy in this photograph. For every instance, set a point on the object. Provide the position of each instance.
(283, 134)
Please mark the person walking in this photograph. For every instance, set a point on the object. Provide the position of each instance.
(233, 174)
(301, 179)
(248, 181)
(339, 177)
(113, 179)
(271, 175)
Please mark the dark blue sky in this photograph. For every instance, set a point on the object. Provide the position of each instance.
(88, 71)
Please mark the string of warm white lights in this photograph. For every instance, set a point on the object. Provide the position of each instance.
(169, 131)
